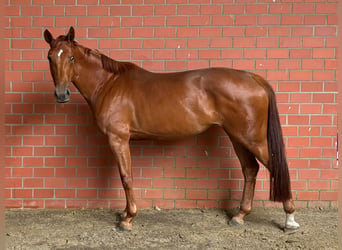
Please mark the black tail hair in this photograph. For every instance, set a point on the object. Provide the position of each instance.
(280, 187)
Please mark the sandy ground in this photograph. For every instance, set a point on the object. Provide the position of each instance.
(169, 229)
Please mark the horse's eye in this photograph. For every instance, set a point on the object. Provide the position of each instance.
(71, 58)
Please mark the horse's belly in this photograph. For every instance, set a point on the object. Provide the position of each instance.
(173, 124)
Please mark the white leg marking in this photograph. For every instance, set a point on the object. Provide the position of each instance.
(60, 52)
(290, 222)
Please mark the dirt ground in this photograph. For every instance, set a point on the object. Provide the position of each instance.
(169, 229)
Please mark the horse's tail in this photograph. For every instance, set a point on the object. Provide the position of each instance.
(280, 188)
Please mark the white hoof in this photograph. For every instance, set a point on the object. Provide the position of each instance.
(290, 223)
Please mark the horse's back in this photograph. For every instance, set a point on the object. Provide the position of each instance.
(163, 105)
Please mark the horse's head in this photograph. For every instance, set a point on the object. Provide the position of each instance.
(61, 61)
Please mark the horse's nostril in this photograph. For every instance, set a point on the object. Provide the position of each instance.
(62, 96)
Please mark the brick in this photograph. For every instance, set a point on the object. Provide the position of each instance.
(279, 31)
(176, 21)
(174, 172)
(175, 65)
(185, 204)
(268, 20)
(222, 20)
(13, 203)
(323, 53)
(87, 21)
(326, 8)
(31, 11)
(142, 32)
(152, 194)
(65, 21)
(298, 120)
(312, 64)
(195, 194)
(233, 9)
(12, 10)
(332, 20)
(329, 174)
(245, 20)
(302, 31)
(243, 42)
(279, 9)
(53, 11)
(306, 8)
(328, 195)
(98, 11)
(174, 194)
(165, 10)
(330, 64)
(256, 8)
(323, 97)
(54, 183)
(233, 31)
(310, 152)
(164, 32)
(291, 20)
(13, 182)
(76, 10)
(65, 2)
(86, 193)
(108, 194)
(22, 193)
(33, 204)
(208, 54)
(256, 31)
(307, 195)
(314, 19)
(199, 20)
(154, 21)
(21, 21)
(277, 53)
(142, 10)
(43, 21)
(300, 53)
(33, 182)
(42, 2)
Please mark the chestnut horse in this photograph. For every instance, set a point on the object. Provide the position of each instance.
(129, 102)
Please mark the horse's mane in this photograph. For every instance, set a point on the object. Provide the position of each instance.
(114, 66)
(108, 63)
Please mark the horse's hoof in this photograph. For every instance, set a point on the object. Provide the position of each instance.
(290, 224)
(290, 230)
(125, 226)
(235, 223)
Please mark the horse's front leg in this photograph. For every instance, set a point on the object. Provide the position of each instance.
(120, 148)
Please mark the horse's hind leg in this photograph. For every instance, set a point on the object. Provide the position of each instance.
(250, 168)
(289, 208)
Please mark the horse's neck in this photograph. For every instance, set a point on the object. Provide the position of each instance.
(89, 75)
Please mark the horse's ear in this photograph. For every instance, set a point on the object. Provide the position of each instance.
(71, 34)
(48, 37)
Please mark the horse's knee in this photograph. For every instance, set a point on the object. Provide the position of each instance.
(127, 181)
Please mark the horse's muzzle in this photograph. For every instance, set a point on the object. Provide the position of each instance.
(62, 97)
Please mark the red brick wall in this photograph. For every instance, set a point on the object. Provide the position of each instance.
(55, 157)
